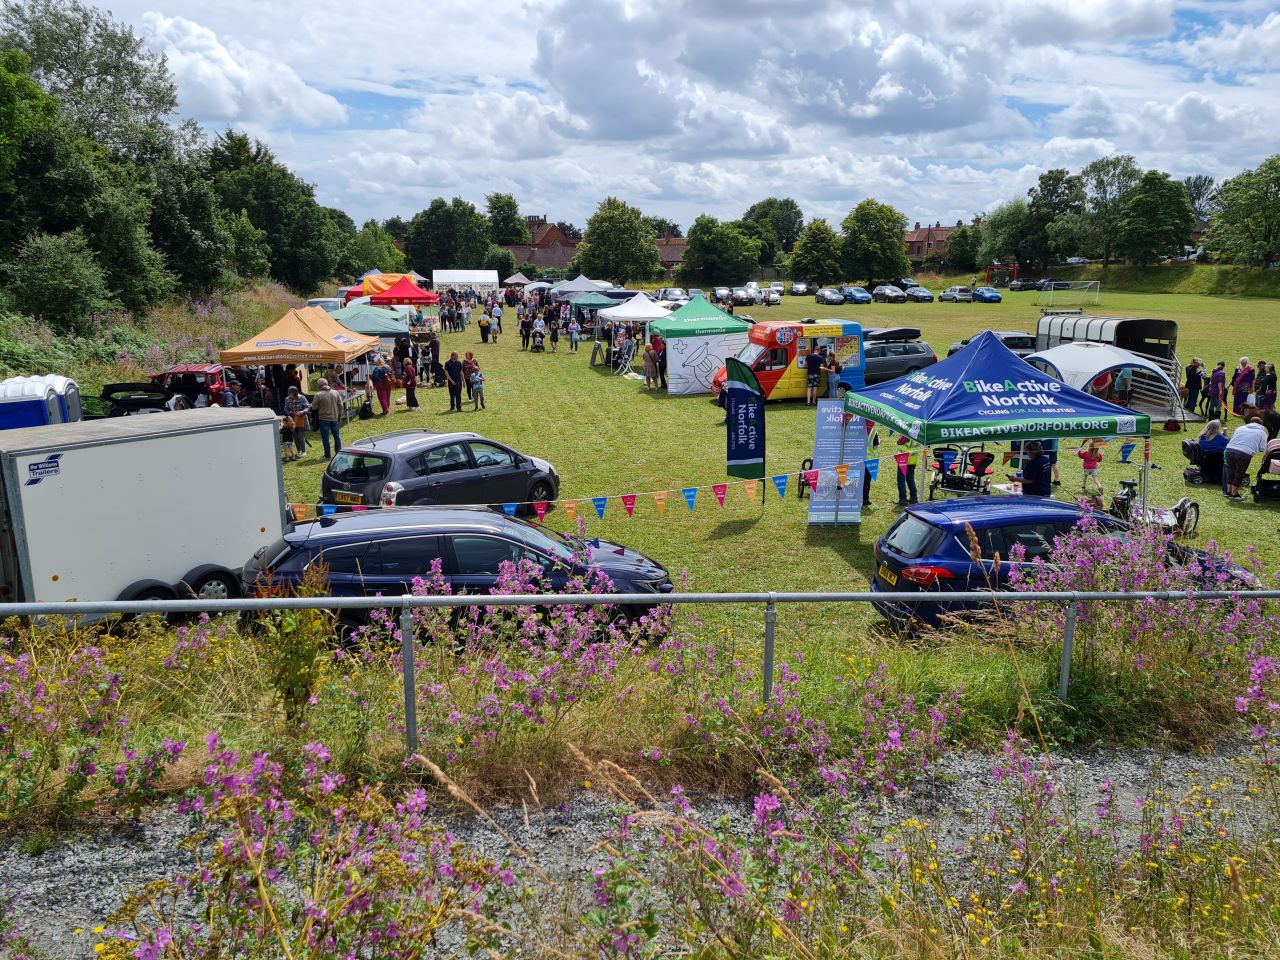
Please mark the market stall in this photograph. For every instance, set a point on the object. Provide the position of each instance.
(404, 291)
(699, 337)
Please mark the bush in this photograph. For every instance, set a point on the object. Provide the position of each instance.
(58, 279)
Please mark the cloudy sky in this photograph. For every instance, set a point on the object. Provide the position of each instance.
(688, 106)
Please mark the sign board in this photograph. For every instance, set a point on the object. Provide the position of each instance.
(838, 439)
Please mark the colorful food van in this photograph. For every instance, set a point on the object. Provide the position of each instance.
(776, 350)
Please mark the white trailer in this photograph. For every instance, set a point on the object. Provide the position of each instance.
(138, 508)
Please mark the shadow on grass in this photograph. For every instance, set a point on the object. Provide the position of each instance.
(733, 528)
(845, 542)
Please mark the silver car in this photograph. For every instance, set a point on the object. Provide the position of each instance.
(956, 295)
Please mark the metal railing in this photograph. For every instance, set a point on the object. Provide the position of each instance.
(407, 603)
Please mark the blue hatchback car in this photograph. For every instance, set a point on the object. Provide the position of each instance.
(854, 294)
(927, 549)
(986, 295)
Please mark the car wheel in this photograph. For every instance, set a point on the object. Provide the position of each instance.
(540, 491)
(210, 583)
(911, 370)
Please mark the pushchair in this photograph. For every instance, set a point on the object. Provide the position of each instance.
(438, 379)
(538, 339)
(1205, 467)
(1266, 485)
(961, 470)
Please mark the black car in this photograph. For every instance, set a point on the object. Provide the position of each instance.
(382, 552)
(906, 283)
(829, 296)
(888, 293)
(743, 297)
(422, 467)
(721, 294)
(1052, 283)
(799, 288)
(1024, 283)
(919, 294)
(1021, 343)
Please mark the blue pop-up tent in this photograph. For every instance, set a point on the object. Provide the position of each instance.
(986, 392)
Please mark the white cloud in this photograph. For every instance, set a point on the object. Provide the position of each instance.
(220, 82)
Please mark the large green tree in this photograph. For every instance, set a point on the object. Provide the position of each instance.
(58, 279)
(619, 244)
(1202, 189)
(1056, 193)
(1003, 230)
(962, 248)
(1107, 183)
(501, 260)
(24, 107)
(374, 247)
(111, 87)
(817, 255)
(718, 253)
(187, 224)
(783, 214)
(874, 241)
(1246, 228)
(248, 250)
(762, 232)
(506, 226)
(1156, 220)
(663, 227)
(451, 235)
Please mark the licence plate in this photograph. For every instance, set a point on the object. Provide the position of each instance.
(887, 575)
(348, 497)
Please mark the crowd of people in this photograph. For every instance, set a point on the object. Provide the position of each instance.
(1206, 392)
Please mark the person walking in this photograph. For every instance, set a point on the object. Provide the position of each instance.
(1241, 386)
(555, 337)
(575, 334)
(1194, 383)
(453, 376)
(469, 366)
(1265, 387)
(1217, 391)
(1249, 439)
(526, 332)
(410, 385)
(328, 407)
(497, 319)
(483, 324)
(380, 375)
(296, 408)
(650, 367)
(476, 385)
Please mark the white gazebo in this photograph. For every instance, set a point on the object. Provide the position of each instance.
(462, 279)
(640, 307)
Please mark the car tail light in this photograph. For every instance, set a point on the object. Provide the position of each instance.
(389, 493)
(935, 359)
(926, 576)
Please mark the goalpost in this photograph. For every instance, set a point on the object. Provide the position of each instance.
(1071, 293)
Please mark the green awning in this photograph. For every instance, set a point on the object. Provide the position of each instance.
(593, 301)
(373, 321)
(697, 318)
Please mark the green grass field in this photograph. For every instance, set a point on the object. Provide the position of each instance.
(608, 436)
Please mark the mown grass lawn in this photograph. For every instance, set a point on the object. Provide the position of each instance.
(608, 436)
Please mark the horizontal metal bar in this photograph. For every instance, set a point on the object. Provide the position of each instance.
(600, 599)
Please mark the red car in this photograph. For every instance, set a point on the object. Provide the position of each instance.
(192, 379)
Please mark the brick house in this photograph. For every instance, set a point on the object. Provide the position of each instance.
(548, 249)
(925, 240)
(671, 251)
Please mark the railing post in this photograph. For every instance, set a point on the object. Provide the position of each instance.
(1068, 639)
(770, 622)
(408, 657)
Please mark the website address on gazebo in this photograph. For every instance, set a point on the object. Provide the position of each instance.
(1103, 427)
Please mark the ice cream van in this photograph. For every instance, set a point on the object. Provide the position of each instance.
(776, 350)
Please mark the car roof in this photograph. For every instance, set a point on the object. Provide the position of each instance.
(988, 510)
(194, 368)
(426, 520)
(403, 441)
(890, 334)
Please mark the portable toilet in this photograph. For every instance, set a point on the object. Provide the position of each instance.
(28, 402)
(68, 392)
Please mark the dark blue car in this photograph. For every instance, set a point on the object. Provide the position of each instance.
(381, 552)
(927, 549)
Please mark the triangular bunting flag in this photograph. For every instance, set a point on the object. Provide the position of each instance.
(540, 508)
(690, 496)
(873, 469)
(842, 473)
(1126, 449)
(629, 503)
(902, 460)
(570, 508)
(750, 487)
(359, 508)
(660, 501)
(327, 509)
(300, 510)
(509, 509)
(780, 484)
(720, 489)
(599, 503)
(811, 478)
(946, 458)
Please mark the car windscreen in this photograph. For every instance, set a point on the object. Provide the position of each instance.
(1020, 343)
(912, 537)
(750, 353)
(355, 467)
(543, 542)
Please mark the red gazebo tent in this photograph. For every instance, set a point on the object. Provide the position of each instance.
(404, 290)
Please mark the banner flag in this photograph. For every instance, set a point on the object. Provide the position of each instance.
(744, 422)
(599, 503)
(902, 460)
(360, 508)
(327, 509)
(570, 508)
(811, 478)
(720, 489)
(873, 469)
(540, 508)
(300, 511)
(509, 509)
(842, 470)
(660, 501)
(1126, 449)
(780, 482)
(629, 503)
(946, 458)
(690, 495)
(749, 487)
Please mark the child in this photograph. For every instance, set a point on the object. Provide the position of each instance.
(1092, 457)
(477, 390)
(286, 439)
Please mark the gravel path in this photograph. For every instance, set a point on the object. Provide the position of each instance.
(84, 876)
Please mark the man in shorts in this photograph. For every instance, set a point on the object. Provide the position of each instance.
(813, 364)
